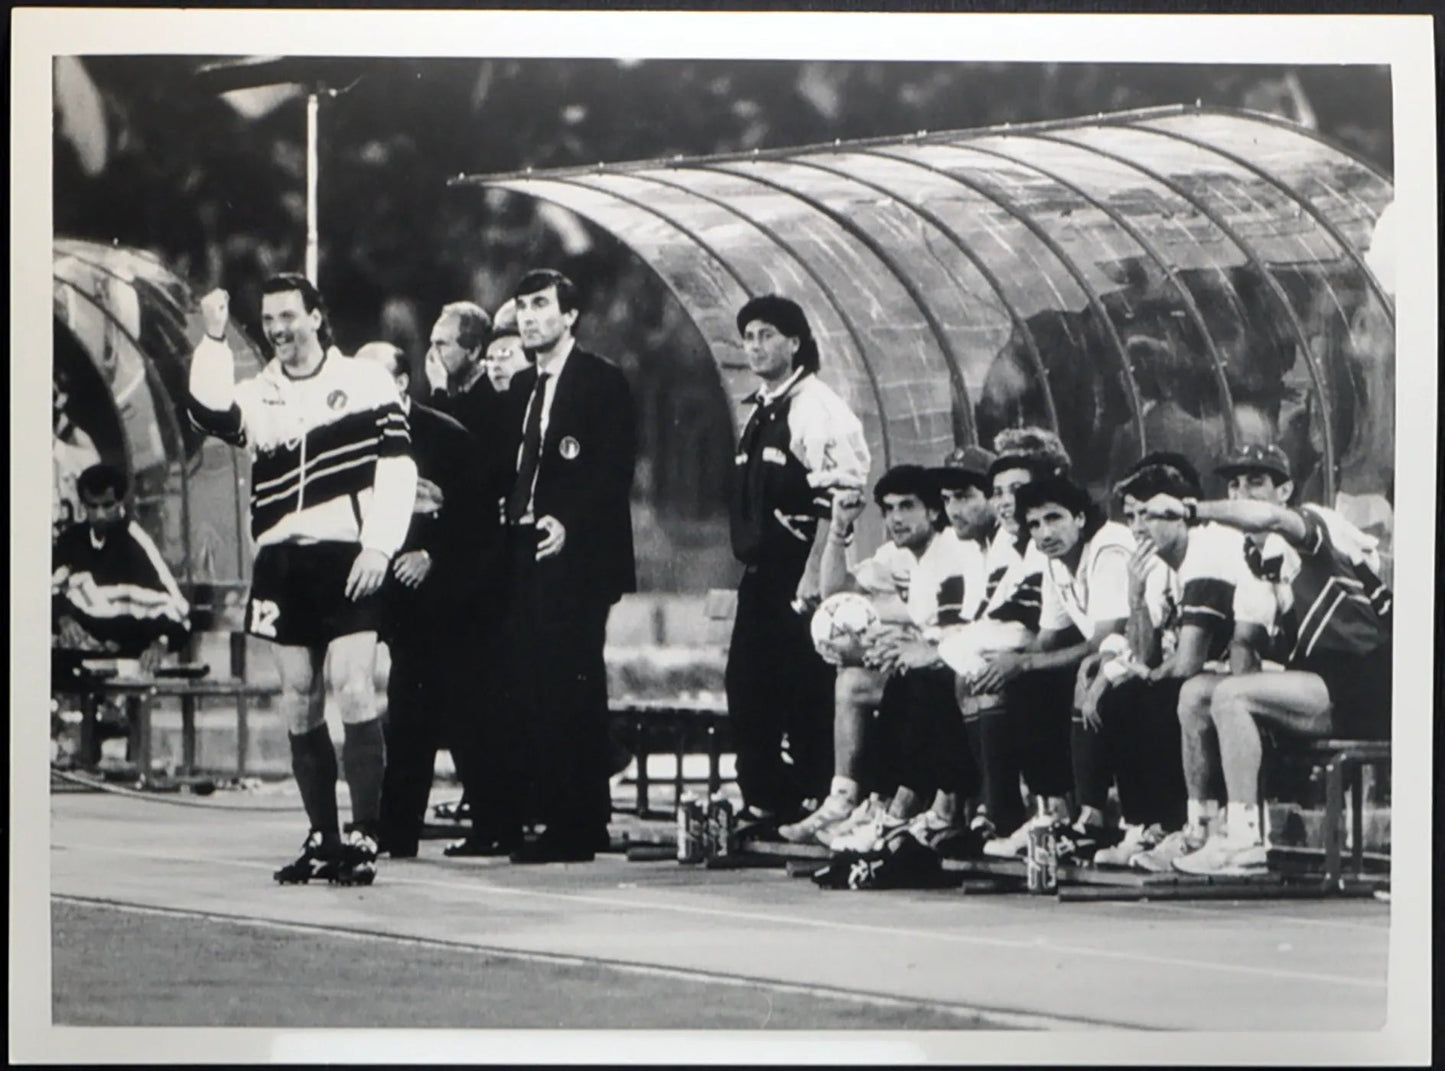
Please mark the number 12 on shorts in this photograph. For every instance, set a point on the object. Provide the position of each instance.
(264, 614)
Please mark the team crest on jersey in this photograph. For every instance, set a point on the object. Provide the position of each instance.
(569, 448)
(336, 399)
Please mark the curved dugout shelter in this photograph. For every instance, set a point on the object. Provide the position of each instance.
(1179, 278)
(124, 327)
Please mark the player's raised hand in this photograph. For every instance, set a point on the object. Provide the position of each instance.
(216, 312)
(848, 506)
(367, 573)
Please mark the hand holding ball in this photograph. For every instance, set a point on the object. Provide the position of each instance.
(842, 628)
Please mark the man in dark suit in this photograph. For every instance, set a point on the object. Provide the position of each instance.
(570, 552)
(432, 596)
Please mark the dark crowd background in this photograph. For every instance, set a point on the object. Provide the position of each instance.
(146, 156)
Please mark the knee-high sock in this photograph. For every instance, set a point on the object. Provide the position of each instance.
(363, 755)
(313, 761)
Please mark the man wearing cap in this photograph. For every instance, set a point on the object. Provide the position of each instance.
(1193, 607)
(1008, 623)
(799, 442)
(963, 481)
(1335, 642)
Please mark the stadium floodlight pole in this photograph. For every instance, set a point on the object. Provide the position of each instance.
(315, 75)
(313, 241)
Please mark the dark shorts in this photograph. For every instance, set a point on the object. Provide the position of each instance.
(298, 595)
(1361, 692)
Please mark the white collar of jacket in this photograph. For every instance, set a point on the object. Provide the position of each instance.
(763, 396)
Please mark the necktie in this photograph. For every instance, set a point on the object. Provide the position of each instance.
(531, 454)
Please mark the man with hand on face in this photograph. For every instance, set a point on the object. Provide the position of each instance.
(570, 551)
(799, 442)
(455, 365)
(332, 488)
(1192, 605)
(433, 605)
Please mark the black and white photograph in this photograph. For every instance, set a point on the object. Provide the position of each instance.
(689, 537)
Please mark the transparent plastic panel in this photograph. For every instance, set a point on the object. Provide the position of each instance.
(707, 283)
(1002, 368)
(903, 356)
(1184, 360)
(1345, 191)
(1326, 288)
(104, 314)
(995, 208)
(1264, 217)
(958, 305)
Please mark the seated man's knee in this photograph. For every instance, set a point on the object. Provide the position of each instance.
(857, 686)
(1196, 699)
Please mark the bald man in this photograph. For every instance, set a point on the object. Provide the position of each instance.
(432, 599)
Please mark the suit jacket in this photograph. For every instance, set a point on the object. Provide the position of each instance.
(584, 473)
(463, 537)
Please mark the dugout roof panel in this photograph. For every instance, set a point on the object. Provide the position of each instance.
(125, 326)
(1178, 278)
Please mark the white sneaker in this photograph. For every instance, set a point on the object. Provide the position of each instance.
(870, 837)
(833, 809)
(927, 826)
(1160, 858)
(1226, 857)
(861, 815)
(1012, 846)
(1137, 839)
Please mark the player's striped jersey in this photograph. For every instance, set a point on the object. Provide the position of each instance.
(948, 582)
(797, 443)
(330, 452)
(1329, 600)
(119, 589)
(1097, 591)
(1014, 589)
(940, 588)
(1213, 590)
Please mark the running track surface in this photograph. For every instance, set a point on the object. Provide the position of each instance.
(1019, 961)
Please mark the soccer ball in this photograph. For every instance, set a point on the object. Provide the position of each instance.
(841, 627)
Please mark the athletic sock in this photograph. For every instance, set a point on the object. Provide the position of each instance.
(363, 755)
(1201, 813)
(845, 787)
(313, 761)
(1242, 822)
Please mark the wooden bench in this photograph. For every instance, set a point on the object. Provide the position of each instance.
(191, 683)
(1342, 763)
(682, 729)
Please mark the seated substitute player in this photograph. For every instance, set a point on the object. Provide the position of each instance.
(1003, 747)
(332, 488)
(1084, 600)
(112, 594)
(939, 579)
(1192, 603)
(1337, 678)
